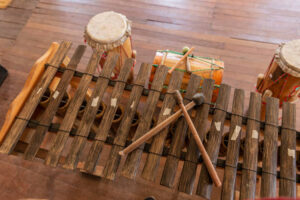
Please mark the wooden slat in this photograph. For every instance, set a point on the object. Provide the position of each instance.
(133, 159)
(157, 145)
(233, 149)
(113, 161)
(105, 124)
(248, 184)
(51, 109)
(178, 138)
(90, 112)
(71, 114)
(19, 125)
(213, 144)
(188, 173)
(269, 161)
(287, 184)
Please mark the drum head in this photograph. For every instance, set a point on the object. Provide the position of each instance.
(107, 27)
(289, 55)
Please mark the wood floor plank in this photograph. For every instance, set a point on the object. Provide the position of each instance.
(9, 30)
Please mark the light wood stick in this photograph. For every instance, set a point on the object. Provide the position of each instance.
(188, 65)
(155, 130)
(206, 159)
(164, 58)
(179, 61)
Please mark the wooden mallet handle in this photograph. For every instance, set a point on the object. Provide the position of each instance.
(179, 61)
(211, 169)
(155, 130)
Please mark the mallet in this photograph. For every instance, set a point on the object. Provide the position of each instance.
(206, 159)
(181, 59)
(198, 99)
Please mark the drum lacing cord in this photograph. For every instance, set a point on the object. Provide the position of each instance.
(141, 148)
(284, 75)
(262, 82)
(202, 59)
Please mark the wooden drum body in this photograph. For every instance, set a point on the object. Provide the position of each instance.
(110, 33)
(282, 78)
(202, 66)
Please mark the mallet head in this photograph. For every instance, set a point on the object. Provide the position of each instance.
(199, 99)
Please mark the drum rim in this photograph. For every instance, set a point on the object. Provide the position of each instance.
(101, 46)
(283, 63)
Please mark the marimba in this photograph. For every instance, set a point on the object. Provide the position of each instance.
(102, 113)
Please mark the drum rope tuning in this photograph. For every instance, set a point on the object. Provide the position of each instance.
(282, 77)
(285, 75)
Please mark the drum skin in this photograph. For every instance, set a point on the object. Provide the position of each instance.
(202, 66)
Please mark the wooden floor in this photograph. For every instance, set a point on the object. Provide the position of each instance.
(243, 33)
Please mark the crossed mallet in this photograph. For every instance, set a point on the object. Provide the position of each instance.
(198, 99)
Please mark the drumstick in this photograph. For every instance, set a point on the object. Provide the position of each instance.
(181, 59)
(211, 169)
(188, 65)
(198, 99)
(164, 57)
